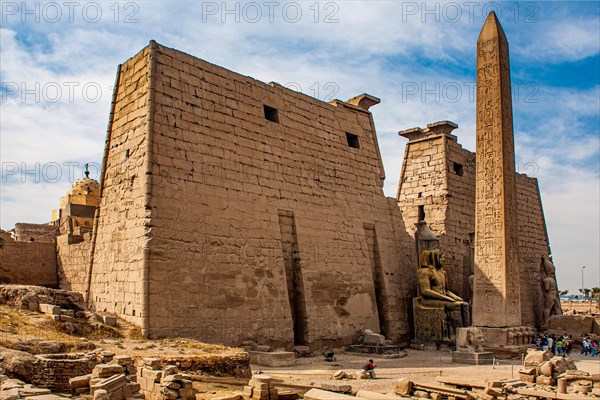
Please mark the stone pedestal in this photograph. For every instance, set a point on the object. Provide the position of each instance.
(273, 358)
(507, 337)
(429, 322)
(485, 358)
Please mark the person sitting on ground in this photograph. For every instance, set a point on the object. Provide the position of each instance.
(369, 368)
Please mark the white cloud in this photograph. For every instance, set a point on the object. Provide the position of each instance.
(380, 47)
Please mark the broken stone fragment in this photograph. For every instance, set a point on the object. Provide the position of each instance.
(106, 370)
(80, 381)
(403, 387)
(123, 360)
(169, 394)
(336, 387)
(101, 394)
(170, 370)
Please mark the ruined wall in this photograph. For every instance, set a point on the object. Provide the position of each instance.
(72, 263)
(43, 233)
(27, 263)
(117, 270)
(439, 175)
(225, 168)
(533, 244)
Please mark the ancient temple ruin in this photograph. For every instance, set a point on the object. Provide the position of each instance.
(231, 210)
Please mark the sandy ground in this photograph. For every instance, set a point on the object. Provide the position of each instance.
(422, 366)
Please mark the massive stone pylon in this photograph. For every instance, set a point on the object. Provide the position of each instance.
(496, 301)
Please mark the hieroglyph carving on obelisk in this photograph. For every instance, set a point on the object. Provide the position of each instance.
(496, 300)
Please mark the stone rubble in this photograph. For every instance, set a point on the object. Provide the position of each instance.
(114, 379)
(260, 387)
(164, 383)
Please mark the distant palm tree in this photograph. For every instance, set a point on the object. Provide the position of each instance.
(586, 293)
(563, 293)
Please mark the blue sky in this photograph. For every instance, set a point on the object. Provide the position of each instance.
(58, 60)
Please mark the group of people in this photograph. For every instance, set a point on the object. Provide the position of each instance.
(560, 346)
(589, 347)
(563, 345)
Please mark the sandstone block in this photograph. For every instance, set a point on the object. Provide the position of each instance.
(130, 389)
(109, 320)
(11, 384)
(493, 391)
(100, 394)
(186, 384)
(185, 393)
(152, 374)
(494, 383)
(152, 363)
(32, 391)
(80, 381)
(172, 385)
(336, 387)
(45, 397)
(110, 384)
(49, 309)
(106, 370)
(435, 396)
(123, 360)
(169, 394)
(545, 380)
(421, 394)
(403, 387)
(170, 370)
(537, 357)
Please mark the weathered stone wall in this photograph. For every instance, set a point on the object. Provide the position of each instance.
(72, 262)
(27, 263)
(53, 371)
(118, 269)
(439, 175)
(35, 232)
(221, 175)
(533, 244)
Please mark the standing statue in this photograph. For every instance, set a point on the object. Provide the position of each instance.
(550, 291)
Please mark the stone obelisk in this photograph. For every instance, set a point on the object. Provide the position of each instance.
(496, 297)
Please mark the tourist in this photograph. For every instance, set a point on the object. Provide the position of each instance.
(537, 340)
(569, 345)
(553, 345)
(585, 346)
(594, 346)
(559, 346)
(369, 368)
(550, 343)
(544, 342)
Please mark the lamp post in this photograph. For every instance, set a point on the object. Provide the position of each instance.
(582, 292)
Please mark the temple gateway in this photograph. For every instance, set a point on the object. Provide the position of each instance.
(229, 210)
